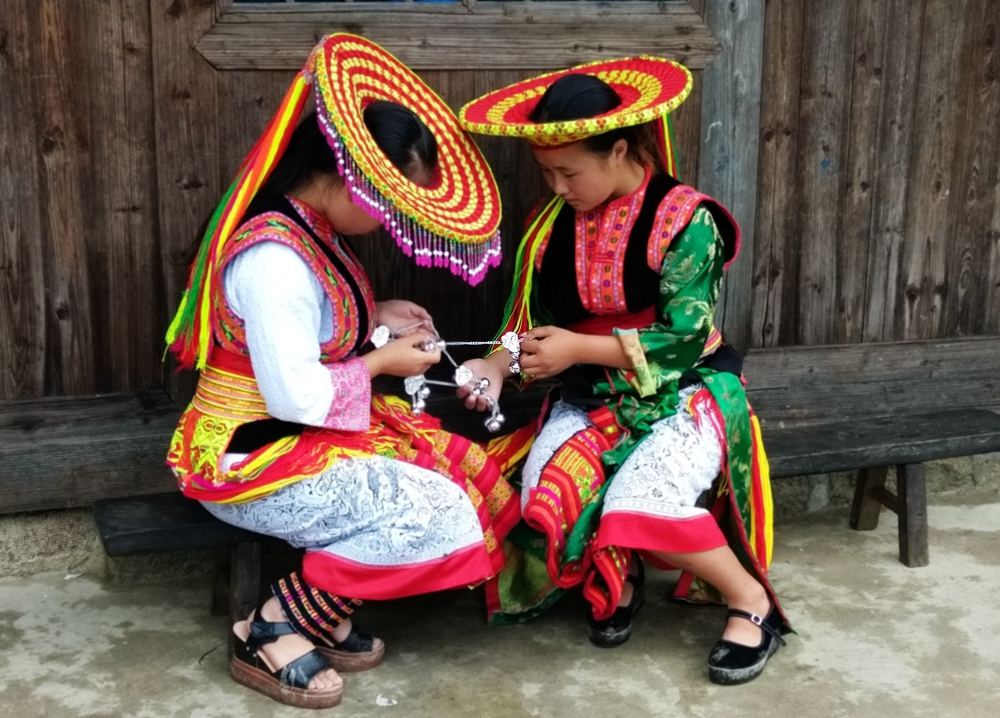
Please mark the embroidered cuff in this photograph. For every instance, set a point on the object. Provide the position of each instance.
(350, 409)
(641, 378)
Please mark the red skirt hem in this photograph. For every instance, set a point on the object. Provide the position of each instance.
(646, 533)
(343, 577)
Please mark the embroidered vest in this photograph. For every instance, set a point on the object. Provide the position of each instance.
(227, 395)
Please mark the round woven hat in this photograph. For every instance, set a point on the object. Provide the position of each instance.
(650, 88)
(452, 222)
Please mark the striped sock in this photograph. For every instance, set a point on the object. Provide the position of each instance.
(311, 612)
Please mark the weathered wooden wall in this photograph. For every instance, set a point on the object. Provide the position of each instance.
(82, 304)
(877, 216)
(878, 213)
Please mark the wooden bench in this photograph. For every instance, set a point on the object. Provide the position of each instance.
(823, 409)
(108, 451)
(871, 406)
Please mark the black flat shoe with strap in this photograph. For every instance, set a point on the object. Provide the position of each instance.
(733, 663)
(288, 684)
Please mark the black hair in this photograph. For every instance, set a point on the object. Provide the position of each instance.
(579, 96)
(402, 136)
(397, 131)
(307, 155)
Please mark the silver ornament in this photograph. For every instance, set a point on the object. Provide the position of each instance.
(511, 342)
(413, 384)
(433, 345)
(381, 336)
(463, 375)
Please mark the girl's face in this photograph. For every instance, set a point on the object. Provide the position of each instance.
(344, 210)
(344, 213)
(582, 178)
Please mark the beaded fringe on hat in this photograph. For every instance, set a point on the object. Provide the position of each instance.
(427, 248)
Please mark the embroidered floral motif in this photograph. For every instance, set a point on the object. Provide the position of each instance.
(352, 395)
(276, 227)
(601, 239)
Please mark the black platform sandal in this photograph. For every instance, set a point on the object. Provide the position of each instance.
(360, 651)
(617, 629)
(733, 663)
(290, 683)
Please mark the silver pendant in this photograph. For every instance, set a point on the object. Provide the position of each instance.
(416, 387)
(463, 375)
(381, 336)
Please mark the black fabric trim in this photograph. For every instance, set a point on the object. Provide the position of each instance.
(642, 284)
(257, 434)
(557, 296)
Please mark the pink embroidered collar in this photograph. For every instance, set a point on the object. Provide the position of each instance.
(601, 238)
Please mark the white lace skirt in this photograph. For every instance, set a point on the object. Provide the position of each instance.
(659, 483)
(365, 523)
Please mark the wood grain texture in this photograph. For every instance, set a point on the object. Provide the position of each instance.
(450, 37)
(121, 226)
(187, 145)
(61, 452)
(64, 135)
(976, 189)
(911, 489)
(992, 308)
(774, 286)
(824, 109)
(874, 441)
(686, 121)
(82, 304)
(901, 50)
(161, 522)
(248, 101)
(860, 164)
(894, 186)
(992, 252)
(939, 129)
(866, 508)
(244, 580)
(835, 383)
(727, 164)
(22, 287)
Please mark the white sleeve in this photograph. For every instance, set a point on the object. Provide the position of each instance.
(280, 301)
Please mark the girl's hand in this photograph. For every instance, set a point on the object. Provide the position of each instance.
(401, 357)
(482, 369)
(399, 313)
(549, 351)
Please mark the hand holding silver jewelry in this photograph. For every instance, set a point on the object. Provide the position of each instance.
(418, 386)
(512, 343)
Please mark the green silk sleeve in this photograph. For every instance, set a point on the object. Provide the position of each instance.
(690, 277)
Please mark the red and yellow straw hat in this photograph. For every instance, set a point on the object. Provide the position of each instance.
(452, 223)
(650, 88)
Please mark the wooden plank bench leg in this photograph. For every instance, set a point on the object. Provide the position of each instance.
(911, 493)
(220, 588)
(244, 582)
(866, 508)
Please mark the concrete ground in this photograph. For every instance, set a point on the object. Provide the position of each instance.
(874, 638)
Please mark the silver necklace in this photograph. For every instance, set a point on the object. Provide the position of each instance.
(418, 386)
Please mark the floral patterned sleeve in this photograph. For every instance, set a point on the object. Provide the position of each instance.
(690, 277)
